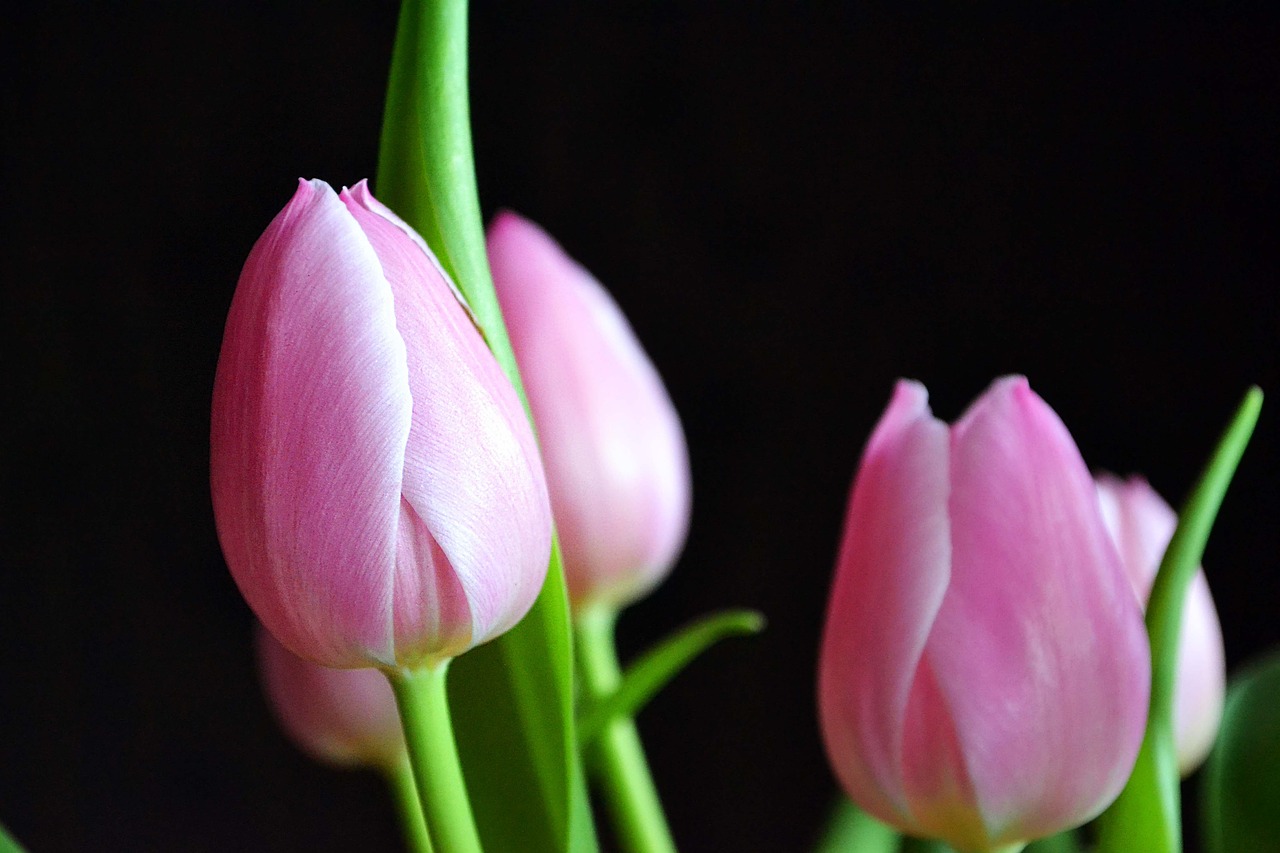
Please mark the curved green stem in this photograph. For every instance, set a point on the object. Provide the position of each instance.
(618, 761)
(428, 734)
(405, 792)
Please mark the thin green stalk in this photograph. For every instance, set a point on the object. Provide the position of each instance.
(405, 792)
(428, 734)
(618, 761)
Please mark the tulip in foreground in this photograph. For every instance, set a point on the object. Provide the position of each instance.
(1142, 524)
(615, 454)
(984, 673)
(376, 486)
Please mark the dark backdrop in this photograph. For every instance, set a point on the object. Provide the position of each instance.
(794, 204)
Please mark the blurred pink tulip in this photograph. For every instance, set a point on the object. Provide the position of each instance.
(984, 672)
(1142, 524)
(376, 485)
(339, 716)
(615, 454)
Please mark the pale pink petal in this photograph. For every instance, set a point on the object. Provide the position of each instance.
(1039, 647)
(311, 411)
(1142, 524)
(342, 716)
(890, 580)
(474, 490)
(615, 453)
(1199, 690)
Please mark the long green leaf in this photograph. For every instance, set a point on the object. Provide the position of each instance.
(643, 679)
(512, 699)
(1241, 792)
(1147, 814)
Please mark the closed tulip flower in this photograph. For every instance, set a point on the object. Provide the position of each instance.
(615, 454)
(984, 673)
(376, 486)
(1142, 525)
(339, 716)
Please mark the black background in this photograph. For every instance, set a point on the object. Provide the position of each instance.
(794, 204)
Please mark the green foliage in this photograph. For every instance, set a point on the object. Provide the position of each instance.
(643, 679)
(8, 844)
(851, 830)
(1147, 814)
(1241, 790)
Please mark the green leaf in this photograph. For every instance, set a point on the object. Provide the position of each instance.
(1241, 790)
(1063, 842)
(512, 699)
(9, 844)
(643, 679)
(426, 170)
(1147, 814)
(851, 830)
(512, 715)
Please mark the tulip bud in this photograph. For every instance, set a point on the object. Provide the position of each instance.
(984, 674)
(376, 485)
(339, 716)
(615, 454)
(1142, 524)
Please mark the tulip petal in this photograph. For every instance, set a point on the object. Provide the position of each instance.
(1199, 691)
(618, 463)
(311, 413)
(1141, 523)
(1045, 715)
(477, 510)
(893, 574)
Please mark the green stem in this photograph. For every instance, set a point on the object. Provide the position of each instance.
(405, 792)
(428, 734)
(619, 763)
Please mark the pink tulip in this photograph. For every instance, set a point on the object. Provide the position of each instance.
(615, 454)
(339, 716)
(376, 486)
(984, 672)
(1142, 524)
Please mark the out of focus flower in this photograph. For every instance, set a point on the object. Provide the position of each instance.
(615, 454)
(1142, 524)
(340, 716)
